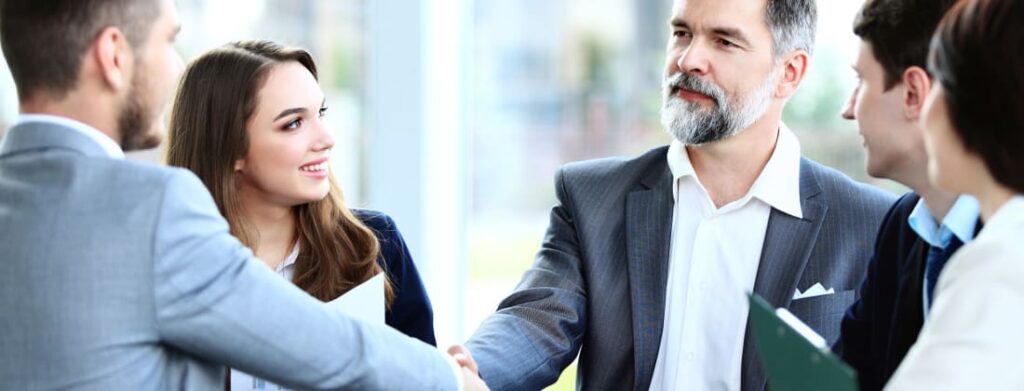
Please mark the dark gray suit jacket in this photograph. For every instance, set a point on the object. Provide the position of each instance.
(598, 284)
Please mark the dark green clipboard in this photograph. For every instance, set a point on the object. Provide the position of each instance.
(792, 362)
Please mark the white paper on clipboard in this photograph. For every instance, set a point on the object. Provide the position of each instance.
(364, 302)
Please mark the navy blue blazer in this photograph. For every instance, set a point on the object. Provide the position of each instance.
(881, 326)
(411, 312)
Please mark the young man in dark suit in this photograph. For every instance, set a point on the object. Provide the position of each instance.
(925, 226)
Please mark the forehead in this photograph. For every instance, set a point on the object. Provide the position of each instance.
(288, 85)
(743, 15)
(166, 21)
(866, 61)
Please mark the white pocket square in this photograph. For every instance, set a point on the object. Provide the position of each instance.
(814, 291)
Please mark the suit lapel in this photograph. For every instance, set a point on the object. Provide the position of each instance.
(648, 237)
(787, 246)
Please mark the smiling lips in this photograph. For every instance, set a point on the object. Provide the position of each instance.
(316, 169)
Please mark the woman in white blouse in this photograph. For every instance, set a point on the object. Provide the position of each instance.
(974, 126)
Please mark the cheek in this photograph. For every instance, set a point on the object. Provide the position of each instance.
(671, 63)
(271, 162)
(863, 107)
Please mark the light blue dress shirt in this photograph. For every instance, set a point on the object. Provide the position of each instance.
(961, 220)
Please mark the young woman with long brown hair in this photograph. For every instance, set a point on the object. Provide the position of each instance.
(248, 121)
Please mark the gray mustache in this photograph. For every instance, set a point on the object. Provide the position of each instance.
(689, 82)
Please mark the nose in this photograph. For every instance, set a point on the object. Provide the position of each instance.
(694, 59)
(848, 108)
(324, 139)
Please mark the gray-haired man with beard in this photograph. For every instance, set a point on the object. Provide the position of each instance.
(646, 262)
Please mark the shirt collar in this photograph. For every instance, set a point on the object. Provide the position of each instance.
(290, 259)
(109, 146)
(961, 220)
(778, 185)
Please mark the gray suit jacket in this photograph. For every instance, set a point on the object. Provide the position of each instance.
(598, 283)
(118, 275)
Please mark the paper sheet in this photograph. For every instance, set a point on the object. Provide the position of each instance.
(364, 302)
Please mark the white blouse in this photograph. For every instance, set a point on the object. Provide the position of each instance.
(241, 381)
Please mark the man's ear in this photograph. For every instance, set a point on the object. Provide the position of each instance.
(113, 57)
(794, 68)
(917, 85)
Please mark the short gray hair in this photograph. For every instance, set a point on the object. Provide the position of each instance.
(793, 24)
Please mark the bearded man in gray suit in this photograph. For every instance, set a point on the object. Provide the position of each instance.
(646, 263)
(120, 275)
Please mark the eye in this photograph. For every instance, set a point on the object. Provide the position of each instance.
(727, 43)
(323, 112)
(681, 34)
(294, 124)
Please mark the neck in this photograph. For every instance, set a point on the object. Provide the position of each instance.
(95, 111)
(991, 199)
(728, 168)
(275, 227)
(939, 201)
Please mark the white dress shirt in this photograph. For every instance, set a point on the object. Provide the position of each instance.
(113, 150)
(713, 262)
(973, 339)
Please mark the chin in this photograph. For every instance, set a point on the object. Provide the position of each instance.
(876, 172)
(316, 196)
(153, 139)
(877, 166)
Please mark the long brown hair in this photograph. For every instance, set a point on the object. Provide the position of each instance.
(216, 97)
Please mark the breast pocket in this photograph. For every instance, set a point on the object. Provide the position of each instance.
(824, 313)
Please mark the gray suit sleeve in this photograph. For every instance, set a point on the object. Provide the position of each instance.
(537, 330)
(214, 300)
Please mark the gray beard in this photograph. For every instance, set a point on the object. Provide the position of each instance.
(692, 124)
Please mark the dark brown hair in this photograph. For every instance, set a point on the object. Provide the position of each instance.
(217, 95)
(977, 55)
(44, 40)
(899, 32)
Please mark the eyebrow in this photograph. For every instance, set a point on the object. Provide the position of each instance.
(733, 33)
(296, 110)
(290, 111)
(730, 32)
